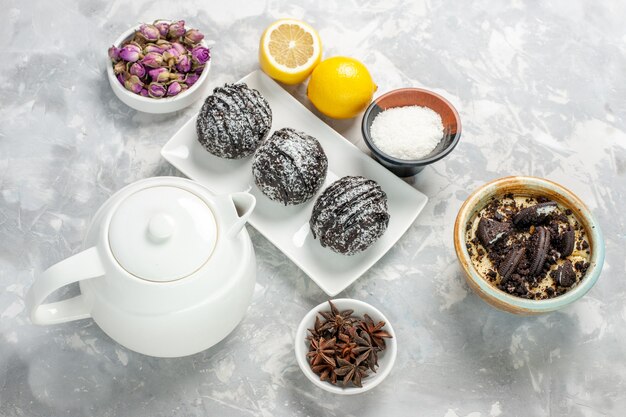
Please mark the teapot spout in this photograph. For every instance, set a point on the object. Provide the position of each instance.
(244, 204)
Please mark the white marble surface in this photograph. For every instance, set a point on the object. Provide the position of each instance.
(541, 90)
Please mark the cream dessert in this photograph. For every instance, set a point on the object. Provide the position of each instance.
(530, 247)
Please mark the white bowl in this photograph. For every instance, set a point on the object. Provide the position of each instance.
(385, 360)
(153, 105)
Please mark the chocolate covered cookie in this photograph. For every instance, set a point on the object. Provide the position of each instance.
(290, 167)
(350, 215)
(233, 121)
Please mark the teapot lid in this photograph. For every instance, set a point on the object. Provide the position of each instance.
(162, 233)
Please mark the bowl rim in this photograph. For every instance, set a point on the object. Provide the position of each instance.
(114, 81)
(533, 306)
(372, 380)
(366, 124)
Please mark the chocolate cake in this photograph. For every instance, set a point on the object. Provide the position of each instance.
(530, 247)
(290, 167)
(233, 121)
(350, 215)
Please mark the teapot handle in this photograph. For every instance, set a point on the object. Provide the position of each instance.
(83, 265)
(244, 205)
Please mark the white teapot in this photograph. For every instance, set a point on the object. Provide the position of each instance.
(168, 268)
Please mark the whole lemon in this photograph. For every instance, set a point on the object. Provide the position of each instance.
(341, 87)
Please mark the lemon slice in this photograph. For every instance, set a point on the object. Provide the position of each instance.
(289, 50)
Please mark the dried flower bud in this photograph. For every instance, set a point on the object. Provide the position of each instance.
(130, 52)
(152, 60)
(114, 53)
(177, 29)
(152, 48)
(122, 78)
(162, 27)
(180, 48)
(156, 90)
(183, 64)
(200, 55)
(134, 84)
(159, 74)
(193, 36)
(191, 79)
(148, 32)
(138, 70)
(163, 44)
(119, 67)
(143, 92)
(171, 54)
(174, 88)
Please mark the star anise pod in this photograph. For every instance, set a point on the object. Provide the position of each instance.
(346, 346)
(351, 372)
(326, 372)
(336, 321)
(366, 351)
(315, 332)
(375, 331)
(322, 351)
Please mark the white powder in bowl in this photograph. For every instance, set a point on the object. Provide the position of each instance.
(410, 132)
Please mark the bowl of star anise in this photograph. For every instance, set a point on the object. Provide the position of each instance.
(345, 346)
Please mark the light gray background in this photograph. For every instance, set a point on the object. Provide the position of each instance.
(541, 90)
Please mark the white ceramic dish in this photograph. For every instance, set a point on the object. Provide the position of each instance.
(288, 227)
(151, 105)
(385, 361)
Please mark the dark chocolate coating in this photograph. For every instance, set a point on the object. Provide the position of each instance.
(350, 215)
(233, 121)
(290, 167)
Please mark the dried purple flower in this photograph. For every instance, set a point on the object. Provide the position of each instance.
(119, 67)
(159, 74)
(193, 36)
(177, 29)
(137, 69)
(143, 92)
(156, 90)
(180, 48)
(174, 88)
(162, 27)
(183, 64)
(134, 84)
(148, 32)
(191, 79)
(121, 78)
(152, 60)
(130, 52)
(152, 48)
(200, 54)
(114, 53)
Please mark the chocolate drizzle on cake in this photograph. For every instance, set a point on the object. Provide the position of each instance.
(290, 167)
(350, 215)
(233, 121)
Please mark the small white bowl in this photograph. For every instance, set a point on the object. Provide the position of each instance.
(149, 104)
(385, 360)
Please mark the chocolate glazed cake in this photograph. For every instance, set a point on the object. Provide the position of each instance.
(290, 167)
(233, 121)
(350, 215)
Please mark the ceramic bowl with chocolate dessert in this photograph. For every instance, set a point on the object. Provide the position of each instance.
(528, 245)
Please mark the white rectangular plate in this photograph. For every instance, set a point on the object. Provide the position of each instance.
(288, 227)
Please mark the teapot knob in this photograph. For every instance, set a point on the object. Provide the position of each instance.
(160, 227)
